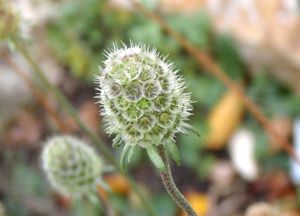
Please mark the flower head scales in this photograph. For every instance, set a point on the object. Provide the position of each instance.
(142, 97)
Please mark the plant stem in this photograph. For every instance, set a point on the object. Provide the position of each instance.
(108, 207)
(171, 187)
(64, 102)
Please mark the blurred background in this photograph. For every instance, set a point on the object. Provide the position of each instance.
(232, 165)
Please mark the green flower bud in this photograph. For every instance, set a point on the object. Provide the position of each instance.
(142, 99)
(72, 167)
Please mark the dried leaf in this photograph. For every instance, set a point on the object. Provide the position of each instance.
(223, 120)
(118, 183)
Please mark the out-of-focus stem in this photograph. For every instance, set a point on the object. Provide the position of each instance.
(109, 210)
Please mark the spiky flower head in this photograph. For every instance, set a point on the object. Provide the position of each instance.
(72, 167)
(142, 99)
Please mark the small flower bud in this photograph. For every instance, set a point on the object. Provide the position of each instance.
(72, 167)
(142, 99)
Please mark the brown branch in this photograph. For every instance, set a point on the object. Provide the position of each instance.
(213, 68)
(40, 97)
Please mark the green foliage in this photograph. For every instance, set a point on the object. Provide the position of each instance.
(23, 182)
(196, 27)
(164, 205)
(85, 207)
(150, 33)
(99, 25)
(273, 97)
(206, 90)
(228, 57)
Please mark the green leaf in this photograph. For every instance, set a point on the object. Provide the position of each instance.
(195, 131)
(173, 151)
(155, 157)
(228, 57)
(123, 156)
(131, 152)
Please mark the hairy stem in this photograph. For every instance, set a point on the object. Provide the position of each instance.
(171, 187)
(68, 107)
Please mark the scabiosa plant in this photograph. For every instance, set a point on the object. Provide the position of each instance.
(143, 101)
(72, 167)
(144, 105)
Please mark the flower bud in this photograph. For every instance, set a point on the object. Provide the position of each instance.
(142, 99)
(72, 167)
